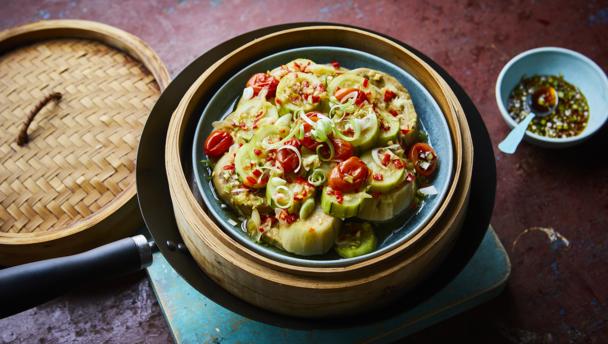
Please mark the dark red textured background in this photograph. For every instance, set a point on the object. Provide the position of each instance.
(557, 293)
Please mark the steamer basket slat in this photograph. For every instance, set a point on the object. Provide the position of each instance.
(312, 291)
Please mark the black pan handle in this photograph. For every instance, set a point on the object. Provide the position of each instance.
(27, 285)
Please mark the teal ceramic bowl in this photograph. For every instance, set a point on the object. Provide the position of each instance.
(576, 68)
(391, 234)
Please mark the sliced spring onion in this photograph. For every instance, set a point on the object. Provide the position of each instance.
(331, 152)
(293, 132)
(317, 177)
(283, 197)
(300, 132)
(353, 95)
(295, 150)
(308, 120)
(283, 121)
(323, 127)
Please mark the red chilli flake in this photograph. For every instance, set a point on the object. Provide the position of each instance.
(398, 163)
(257, 173)
(229, 167)
(394, 112)
(365, 82)
(335, 64)
(291, 218)
(257, 152)
(378, 176)
(410, 177)
(386, 159)
(251, 180)
(389, 95)
(405, 131)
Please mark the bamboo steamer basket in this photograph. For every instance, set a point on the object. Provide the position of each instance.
(312, 291)
(72, 186)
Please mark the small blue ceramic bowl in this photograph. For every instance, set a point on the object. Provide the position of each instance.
(395, 232)
(576, 68)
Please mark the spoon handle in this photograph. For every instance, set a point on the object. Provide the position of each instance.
(510, 143)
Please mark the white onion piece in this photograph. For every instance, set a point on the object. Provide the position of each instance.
(295, 150)
(238, 191)
(424, 165)
(232, 222)
(428, 191)
(283, 121)
(248, 93)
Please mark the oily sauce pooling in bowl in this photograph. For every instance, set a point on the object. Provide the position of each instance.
(569, 118)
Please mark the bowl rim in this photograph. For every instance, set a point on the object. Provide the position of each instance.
(512, 123)
(303, 260)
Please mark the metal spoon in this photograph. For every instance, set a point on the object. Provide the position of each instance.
(540, 103)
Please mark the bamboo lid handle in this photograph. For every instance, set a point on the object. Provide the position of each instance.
(23, 138)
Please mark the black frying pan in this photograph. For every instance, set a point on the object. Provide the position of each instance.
(27, 285)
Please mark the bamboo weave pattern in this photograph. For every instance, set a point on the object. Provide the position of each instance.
(82, 150)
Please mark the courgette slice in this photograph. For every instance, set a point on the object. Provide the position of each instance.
(355, 239)
(289, 96)
(346, 80)
(383, 178)
(342, 205)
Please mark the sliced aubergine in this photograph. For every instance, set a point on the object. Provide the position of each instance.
(248, 116)
(230, 189)
(392, 98)
(314, 235)
(385, 206)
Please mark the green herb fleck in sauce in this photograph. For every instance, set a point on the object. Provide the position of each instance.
(569, 118)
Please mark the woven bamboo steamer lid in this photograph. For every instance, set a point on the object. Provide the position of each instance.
(305, 291)
(72, 186)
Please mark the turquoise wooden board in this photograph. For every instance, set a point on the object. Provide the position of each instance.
(193, 318)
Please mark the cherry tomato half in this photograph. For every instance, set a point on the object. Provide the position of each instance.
(288, 159)
(342, 149)
(424, 158)
(260, 81)
(349, 175)
(218, 143)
